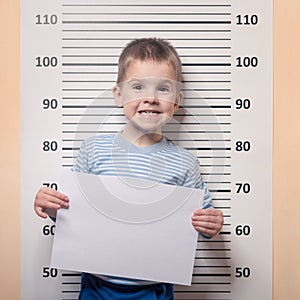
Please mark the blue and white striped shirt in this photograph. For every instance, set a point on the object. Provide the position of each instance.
(162, 162)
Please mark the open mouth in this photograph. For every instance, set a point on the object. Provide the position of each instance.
(149, 112)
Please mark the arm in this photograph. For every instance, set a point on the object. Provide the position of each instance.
(208, 221)
(48, 201)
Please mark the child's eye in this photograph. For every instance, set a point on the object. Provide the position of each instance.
(137, 87)
(164, 88)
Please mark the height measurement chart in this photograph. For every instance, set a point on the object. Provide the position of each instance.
(69, 53)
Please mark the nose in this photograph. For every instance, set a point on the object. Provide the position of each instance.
(151, 100)
(150, 96)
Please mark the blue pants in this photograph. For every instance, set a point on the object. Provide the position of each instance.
(94, 288)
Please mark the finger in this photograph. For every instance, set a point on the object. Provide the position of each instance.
(54, 193)
(207, 227)
(206, 231)
(47, 200)
(207, 218)
(40, 213)
(56, 200)
(208, 211)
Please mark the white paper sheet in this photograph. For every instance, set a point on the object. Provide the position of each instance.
(126, 227)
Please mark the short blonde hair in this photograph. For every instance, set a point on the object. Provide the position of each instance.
(155, 49)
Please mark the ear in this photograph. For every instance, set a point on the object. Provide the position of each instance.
(178, 101)
(117, 96)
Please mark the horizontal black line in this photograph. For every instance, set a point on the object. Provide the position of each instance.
(208, 148)
(116, 56)
(146, 14)
(202, 298)
(66, 292)
(203, 267)
(79, 98)
(90, 64)
(212, 257)
(91, 115)
(89, 131)
(182, 123)
(88, 81)
(81, 90)
(115, 64)
(153, 5)
(207, 64)
(112, 106)
(203, 115)
(222, 207)
(190, 131)
(110, 47)
(79, 281)
(188, 148)
(119, 39)
(207, 81)
(225, 233)
(213, 250)
(145, 22)
(106, 47)
(75, 140)
(212, 275)
(193, 291)
(204, 157)
(209, 90)
(200, 140)
(206, 106)
(146, 30)
(70, 148)
(73, 73)
(88, 106)
(223, 174)
(214, 241)
(176, 115)
(207, 73)
(71, 274)
(211, 98)
(220, 190)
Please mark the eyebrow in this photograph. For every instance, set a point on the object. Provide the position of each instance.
(143, 79)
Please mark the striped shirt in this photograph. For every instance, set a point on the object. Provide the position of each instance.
(163, 162)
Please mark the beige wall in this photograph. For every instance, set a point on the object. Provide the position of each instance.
(10, 149)
(286, 204)
(286, 149)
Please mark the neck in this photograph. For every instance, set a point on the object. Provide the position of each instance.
(141, 139)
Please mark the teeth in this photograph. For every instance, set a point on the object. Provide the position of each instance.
(148, 113)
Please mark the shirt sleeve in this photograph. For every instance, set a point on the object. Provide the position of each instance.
(82, 161)
(199, 183)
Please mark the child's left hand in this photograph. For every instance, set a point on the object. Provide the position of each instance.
(208, 221)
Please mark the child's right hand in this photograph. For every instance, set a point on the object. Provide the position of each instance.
(49, 200)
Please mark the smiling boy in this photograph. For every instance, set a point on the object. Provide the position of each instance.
(148, 89)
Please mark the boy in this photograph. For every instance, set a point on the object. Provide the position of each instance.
(148, 89)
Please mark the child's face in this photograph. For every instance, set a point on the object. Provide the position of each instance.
(149, 95)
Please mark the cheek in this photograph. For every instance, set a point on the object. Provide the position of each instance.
(130, 108)
(169, 109)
